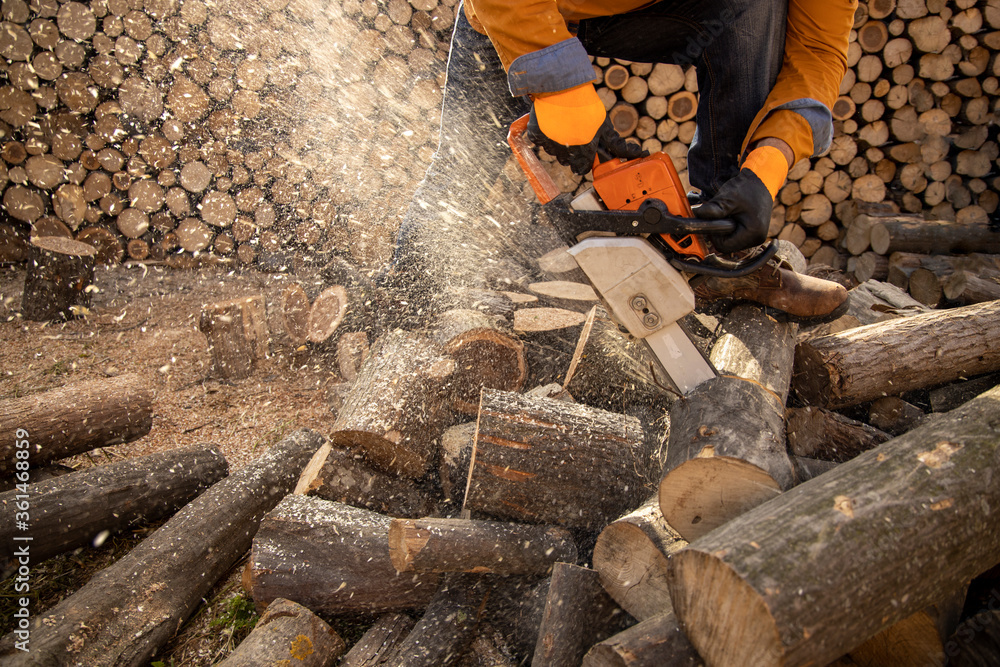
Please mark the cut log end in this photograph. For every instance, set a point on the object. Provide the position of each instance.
(703, 493)
(707, 585)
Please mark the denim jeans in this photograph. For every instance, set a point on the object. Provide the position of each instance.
(448, 237)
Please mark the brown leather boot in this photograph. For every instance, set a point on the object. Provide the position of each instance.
(778, 287)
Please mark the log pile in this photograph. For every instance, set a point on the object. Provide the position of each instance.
(231, 130)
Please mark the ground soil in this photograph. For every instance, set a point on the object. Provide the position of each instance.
(144, 319)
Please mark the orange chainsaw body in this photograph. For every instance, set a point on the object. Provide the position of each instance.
(623, 185)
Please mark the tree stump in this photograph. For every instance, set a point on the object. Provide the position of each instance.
(59, 272)
(237, 335)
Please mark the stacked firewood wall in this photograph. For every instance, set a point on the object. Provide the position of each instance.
(161, 128)
(914, 126)
(165, 128)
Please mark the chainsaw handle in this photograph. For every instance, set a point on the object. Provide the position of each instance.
(543, 185)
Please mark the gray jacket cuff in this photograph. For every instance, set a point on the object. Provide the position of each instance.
(819, 118)
(558, 67)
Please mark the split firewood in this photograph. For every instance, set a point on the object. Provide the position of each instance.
(75, 418)
(874, 301)
(726, 452)
(930, 481)
(564, 294)
(485, 354)
(287, 631)
(657, 640)
(560, 265)
(126, 620)
(630, 556)
(823, 434)
(456, 456)
(237, 335)
(83, 508)
(550, 336)
(578, 613)
(307, 540)
(397, 405)
(572, 447)
(59, 272)
(442, 635)
(940, 346)
(380, 641)
(464, 545)
(341, 475)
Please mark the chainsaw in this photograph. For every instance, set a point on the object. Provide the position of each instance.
(641, 273)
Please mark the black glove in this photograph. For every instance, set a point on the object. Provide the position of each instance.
(581, 158)
(745, 200)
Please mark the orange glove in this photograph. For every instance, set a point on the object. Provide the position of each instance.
(571, 124)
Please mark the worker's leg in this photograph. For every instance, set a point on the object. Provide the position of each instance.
(736, 45)
(444, 236)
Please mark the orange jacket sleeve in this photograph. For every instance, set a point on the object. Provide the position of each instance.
(798, 108)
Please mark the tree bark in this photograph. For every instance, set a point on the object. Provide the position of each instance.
(76, 418)
(657, 640)
(397, 405)
(823, 434)
(726, 451)
(778, 570)
(59, 272)
(538, 461)
(73, 510)
(847, 368)
(122, 618)
(630, 556)
(908, 234)
(464, 545)
(331, 558)
(343, 476)
(578, 612)
(379, 641)
(287, 631)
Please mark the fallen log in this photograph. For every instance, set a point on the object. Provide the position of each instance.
(538, 460)
(951, 396)
(379, 641)
(75, 418)
(77, 509)
(287, 631)
(578, 612)
(845, 368)
(59, 272)
(777, 570)
(465, 545)
(331, 558)
(120, 618)
(726, 451)
(447, 628)
(966, 287)
(397, 404)
(914, 234)
(657, 640)
(630, 556)
(237, 335)
(824, 434)
(343, 476)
